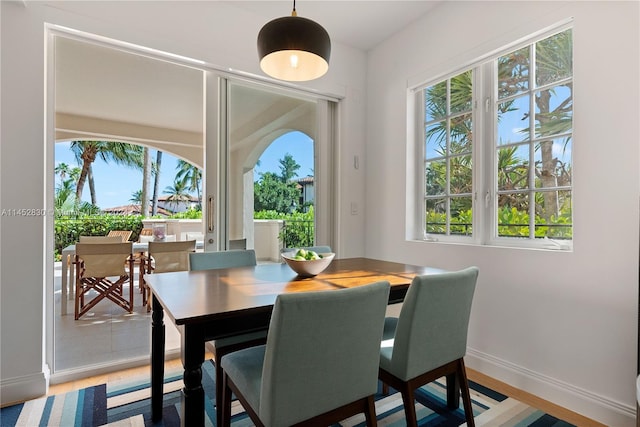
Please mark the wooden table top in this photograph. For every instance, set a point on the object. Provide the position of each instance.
(199, 296)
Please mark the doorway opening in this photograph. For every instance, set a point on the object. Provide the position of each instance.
(167, 115)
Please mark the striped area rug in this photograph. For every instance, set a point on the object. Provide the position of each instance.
(126, 403)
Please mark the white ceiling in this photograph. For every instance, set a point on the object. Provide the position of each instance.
(360, 24)
(94, 81)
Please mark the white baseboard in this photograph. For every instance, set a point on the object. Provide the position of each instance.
(105, 368)
(576, 399)
(18, 389)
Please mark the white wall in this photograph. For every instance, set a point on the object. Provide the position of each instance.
(560, 325)
(215, 32)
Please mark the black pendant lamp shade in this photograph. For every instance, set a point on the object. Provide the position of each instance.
(294, 48)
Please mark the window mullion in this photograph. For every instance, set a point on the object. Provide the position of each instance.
(532, 134)
(486, 170)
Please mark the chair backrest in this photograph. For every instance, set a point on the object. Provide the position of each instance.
(101, 239)
(433, 322)
(316, 249)
(171, 256)
(322, 351)
(146, 232)
(222, 259)
(104, 259)
(123, 234)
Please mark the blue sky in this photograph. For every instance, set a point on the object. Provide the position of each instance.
(116, 184)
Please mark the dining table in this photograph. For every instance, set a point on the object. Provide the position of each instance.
(211, 304)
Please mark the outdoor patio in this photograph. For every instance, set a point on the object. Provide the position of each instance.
(104, 335)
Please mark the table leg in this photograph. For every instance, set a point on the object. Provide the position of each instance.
(192, 408)
(157, 360)
(64, 283)
(72, 277)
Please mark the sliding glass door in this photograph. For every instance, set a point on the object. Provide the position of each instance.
(265, 145)
(265, 154)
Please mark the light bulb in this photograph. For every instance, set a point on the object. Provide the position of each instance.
(293, 60)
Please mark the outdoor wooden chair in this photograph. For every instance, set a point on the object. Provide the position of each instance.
(96, 266)
(100, 239)
(164, 257)
(125, 235)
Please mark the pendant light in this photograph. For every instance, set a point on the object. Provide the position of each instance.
(294, 48)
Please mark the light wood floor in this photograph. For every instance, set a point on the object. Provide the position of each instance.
(529, 399)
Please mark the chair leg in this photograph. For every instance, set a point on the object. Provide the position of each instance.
(385, 388)
(466, 396)
(370, 412)
(408, 398)
(225, 409)
(453, 390)
(220, 391)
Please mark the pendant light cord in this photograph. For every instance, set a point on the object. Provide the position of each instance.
(293, 12)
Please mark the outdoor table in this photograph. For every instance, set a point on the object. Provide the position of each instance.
(68, 270)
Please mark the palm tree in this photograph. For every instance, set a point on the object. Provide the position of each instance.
(177, 193)
(120, 153)
(156, 183)
(65, 197)
(554, 60)
(288, 168)
(66, 203)
(63, 170)
(191, 177)
(136, 197)
(146, 174)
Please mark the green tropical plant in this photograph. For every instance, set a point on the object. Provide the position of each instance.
(278, 192)
(298, 227)
(191, 213)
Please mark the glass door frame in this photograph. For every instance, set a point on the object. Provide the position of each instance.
(216, 159)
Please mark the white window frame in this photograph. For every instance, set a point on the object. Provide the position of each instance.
(484, 157)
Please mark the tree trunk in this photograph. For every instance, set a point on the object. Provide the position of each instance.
(92, 187)
(146, 175)
(156, 184)
(87, 156)
(547, 173)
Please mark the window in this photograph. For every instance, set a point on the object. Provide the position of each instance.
(497, 148)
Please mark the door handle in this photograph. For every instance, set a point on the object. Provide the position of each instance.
(210, 214)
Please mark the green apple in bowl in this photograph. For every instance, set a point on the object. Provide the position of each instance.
(307, 263)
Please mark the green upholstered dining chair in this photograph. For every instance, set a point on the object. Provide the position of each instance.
(223, 346)
(429, 339)
(320, 362)
(316, 249)
(222, 259)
